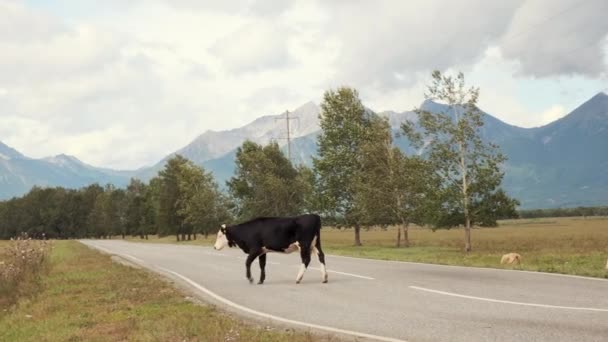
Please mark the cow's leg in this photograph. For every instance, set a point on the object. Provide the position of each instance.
(248, 262)
(262, 260)
(321, 256)
(305, 255)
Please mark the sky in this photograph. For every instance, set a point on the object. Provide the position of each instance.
(123, 83)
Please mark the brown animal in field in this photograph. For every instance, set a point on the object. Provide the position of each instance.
(511, 259)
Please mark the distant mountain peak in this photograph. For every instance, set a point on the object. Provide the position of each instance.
(7, 152)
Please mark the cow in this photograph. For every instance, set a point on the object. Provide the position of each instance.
(511, 258)
(275, 234)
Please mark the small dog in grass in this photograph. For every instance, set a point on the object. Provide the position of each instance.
(511, 259)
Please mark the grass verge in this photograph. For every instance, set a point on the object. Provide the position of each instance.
(88, 297)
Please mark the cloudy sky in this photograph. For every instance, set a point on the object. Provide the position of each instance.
(122, 83)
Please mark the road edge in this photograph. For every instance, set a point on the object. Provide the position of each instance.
(237, 308)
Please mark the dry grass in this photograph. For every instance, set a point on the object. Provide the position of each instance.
(23, 263)
(87, 297)
(565, 245)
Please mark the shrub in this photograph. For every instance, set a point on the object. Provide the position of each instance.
(23, 263)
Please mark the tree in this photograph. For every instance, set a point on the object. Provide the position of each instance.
(468, 166)
(494, 206)
(169, 219)
(265, 182)
(97, 218)
(136, 208)
(202, 205)
(392, 188)
(344, 128)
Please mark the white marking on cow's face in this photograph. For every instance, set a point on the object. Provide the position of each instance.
(221, 241)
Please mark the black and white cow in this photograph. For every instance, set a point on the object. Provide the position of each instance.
(275, 234)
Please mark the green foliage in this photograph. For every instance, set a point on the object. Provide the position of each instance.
(183, 199)
(392, 188)
(169, 219)
(469, 168)
(266, 183)
(345, 125)
(202, 205)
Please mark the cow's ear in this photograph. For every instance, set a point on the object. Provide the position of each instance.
(223, 229)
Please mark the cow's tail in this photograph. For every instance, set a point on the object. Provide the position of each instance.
(318, 231)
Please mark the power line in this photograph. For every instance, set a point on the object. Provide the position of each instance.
(288, 119)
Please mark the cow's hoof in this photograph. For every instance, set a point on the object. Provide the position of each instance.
(297, 281)
(260, 282)
(325, 281)
(250, 280)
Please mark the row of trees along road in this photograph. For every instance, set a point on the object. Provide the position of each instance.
(358, 178)
(361, 178)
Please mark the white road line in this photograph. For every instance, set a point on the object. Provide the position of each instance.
(329, 271)
(507, 301)
(276, 318)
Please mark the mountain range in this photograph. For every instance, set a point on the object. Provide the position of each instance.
(561, 164)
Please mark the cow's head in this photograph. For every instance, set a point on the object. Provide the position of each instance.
(222, 240)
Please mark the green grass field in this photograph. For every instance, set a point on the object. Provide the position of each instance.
(562, 245)
(88, 297)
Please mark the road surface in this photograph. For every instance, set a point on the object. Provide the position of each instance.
(390, 301)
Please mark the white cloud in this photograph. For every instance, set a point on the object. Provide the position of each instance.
(124, 83)
(558, 37)
(256, 46)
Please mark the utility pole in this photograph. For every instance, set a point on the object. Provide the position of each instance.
(287, 119)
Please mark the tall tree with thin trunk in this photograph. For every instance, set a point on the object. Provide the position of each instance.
(344, 128)
(468, 166)
(392, 188)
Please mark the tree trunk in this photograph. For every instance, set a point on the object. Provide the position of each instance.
(467, 235)
(406, 238)
(189, 236)
(465, 200)
(206, 234)
(358, 235)
(183, 236)
(177, 236)
(194, 236)
(398, 237)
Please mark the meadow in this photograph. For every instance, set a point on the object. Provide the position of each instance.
(88, 297)
(561, 245)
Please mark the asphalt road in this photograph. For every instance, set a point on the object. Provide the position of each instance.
(388, 301)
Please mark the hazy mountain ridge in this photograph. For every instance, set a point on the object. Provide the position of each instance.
(563, 163)
(19, 174)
